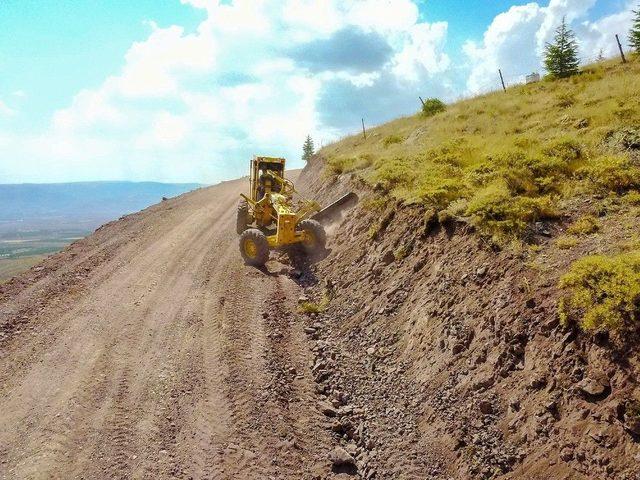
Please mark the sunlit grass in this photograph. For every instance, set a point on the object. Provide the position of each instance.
(505, 160)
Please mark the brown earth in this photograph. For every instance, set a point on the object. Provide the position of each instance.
(143, 352)
(461, 344)
(149, 350)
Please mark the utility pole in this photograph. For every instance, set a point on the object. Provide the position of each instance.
(502, 80)
(624, 59)
(364, 132)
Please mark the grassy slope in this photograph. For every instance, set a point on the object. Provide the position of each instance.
(539, 152)
(505, 160)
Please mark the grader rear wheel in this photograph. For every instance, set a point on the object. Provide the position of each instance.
(254, 247)
(315, 236)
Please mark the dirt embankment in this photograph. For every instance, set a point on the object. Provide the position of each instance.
(457, 348)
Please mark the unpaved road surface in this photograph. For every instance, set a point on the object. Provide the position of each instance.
(149, 350)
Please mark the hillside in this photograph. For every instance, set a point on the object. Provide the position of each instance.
(474, 316)
(449, 282)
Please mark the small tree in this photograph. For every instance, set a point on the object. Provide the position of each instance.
(432, 106)
(561, 56)
(308, 149)
(634, 34)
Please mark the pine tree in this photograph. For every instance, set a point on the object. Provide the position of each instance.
(308, 149)
(561, 56)
(634, 34)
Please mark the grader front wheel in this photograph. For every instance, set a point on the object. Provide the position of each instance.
(254, 247)
(315, 236)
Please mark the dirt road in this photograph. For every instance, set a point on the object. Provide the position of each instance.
(149, 350)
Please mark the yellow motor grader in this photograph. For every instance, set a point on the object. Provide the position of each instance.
(270, 218)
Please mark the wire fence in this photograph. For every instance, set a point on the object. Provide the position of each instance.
(506, 79)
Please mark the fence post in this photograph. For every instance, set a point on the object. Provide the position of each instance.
(502, 80)
(624, 60)
(364, 132)
(421, 101)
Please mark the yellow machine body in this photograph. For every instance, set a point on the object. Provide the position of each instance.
(271, 202)
(269, 217)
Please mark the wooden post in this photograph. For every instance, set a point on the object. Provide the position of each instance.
(624, 59)
(364, 132)
(504, 87)
(421, 101)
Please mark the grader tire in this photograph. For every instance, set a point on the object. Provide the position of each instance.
(242, 218)
(316, 236)
(254, 247)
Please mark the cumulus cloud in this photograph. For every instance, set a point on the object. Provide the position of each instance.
(515, 40)
(253, 77)
(348, 49)
(5, 110)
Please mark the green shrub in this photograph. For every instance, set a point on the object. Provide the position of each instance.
(391, 139)
(602, 292)
(610, 174)
(565, 242)
(433, 106)
(585, 225)
(390, 173)
(497, 211)
(565, 149)
(316, 307)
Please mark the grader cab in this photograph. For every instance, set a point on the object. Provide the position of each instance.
(269, 217)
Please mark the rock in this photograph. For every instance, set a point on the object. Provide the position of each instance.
(458, 348)
(566, 454)
(482, 271)
(388, 258)
(593, 386)
(485, 407)
(339, 457)
(352, 449)
(483, 383)
(538, 382)
(551, 405)
(632, 424)
(327, 409)
(371, 350)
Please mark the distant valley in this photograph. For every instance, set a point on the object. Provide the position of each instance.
(39, 219)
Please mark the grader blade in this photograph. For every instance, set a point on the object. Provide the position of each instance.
(331, 211)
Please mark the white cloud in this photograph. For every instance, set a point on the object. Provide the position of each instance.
(5, 110)
(188, 105)
(515, 40)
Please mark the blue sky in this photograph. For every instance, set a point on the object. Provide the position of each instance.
(188, 90)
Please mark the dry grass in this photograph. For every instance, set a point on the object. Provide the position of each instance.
(505, 160)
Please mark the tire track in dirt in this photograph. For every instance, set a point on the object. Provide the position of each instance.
(163, 365)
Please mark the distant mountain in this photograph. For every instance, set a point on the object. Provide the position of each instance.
(85, 204)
